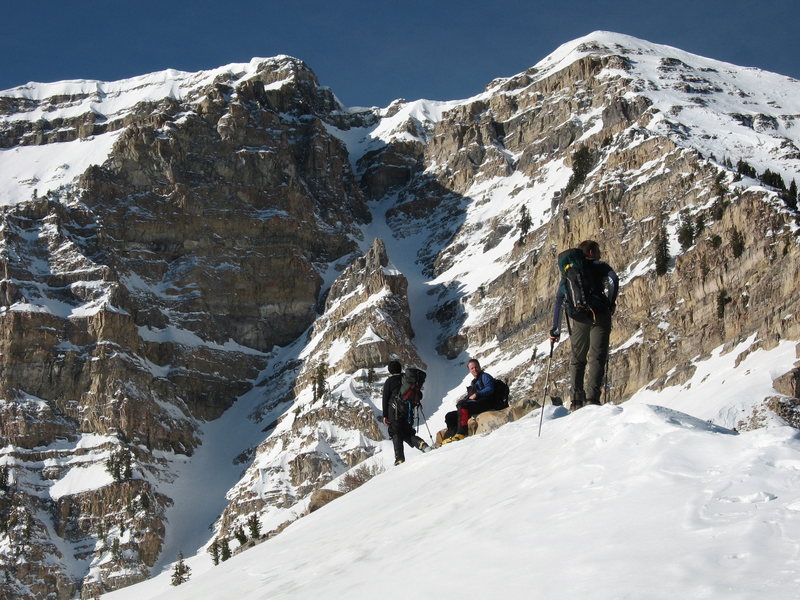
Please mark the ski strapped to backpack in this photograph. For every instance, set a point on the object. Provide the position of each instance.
(583, 301)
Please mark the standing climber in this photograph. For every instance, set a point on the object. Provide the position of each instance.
(588, 288)
(398, 411)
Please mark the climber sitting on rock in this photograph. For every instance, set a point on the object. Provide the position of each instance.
(481, 397)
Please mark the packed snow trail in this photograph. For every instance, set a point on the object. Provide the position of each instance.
(631, 501)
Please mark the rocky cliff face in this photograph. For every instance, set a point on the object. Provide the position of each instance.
(145, 297)
(201, 241)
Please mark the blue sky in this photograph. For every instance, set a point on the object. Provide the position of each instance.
(371, 52)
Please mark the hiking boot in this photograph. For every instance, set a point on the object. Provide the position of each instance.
(399, 461)
(454, 438)
(575, 405)
(424, 447)
(595, 402)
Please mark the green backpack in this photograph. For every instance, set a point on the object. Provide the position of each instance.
(583, 300)
(409, 395)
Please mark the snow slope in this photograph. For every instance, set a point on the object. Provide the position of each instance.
(637, 501)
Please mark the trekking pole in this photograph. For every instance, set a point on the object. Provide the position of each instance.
(424, 420)
(546, 384)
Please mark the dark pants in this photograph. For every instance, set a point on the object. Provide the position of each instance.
(589, 357)
(457, 420)
(403, 432)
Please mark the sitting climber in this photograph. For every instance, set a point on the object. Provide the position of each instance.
(482, 395)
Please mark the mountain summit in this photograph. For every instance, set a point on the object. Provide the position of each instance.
(205, 274)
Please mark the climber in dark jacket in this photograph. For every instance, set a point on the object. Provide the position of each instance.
(590, 340)
(399, 416)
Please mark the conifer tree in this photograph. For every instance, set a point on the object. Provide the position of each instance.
(686, 232)
(319, 384)
(118, 464)
(524, 223)
(254, 525)
(224, 550)
(772, 179)
(662, 251)
(112, 466)
(791, 196)
(743, 168)
(214, 551)
(737, 243)
(581, 165)
(181, 572)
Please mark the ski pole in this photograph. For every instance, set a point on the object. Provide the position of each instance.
(607, 386)
(424, 420)
(546, 384)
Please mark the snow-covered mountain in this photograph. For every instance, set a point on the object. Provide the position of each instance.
(205, 274)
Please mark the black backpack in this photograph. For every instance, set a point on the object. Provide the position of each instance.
(411, 385)
(501, 393)
(584, 300)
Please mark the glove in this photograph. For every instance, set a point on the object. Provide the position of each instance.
(554, 335)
